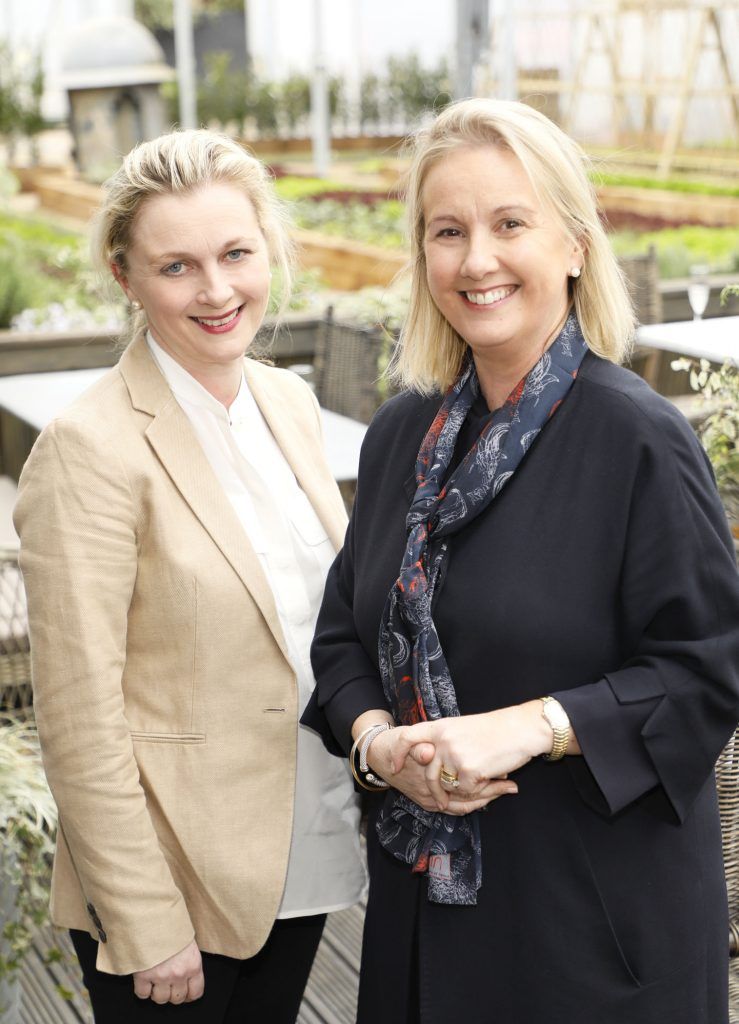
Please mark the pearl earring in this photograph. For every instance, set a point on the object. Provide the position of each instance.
(135, 305)
(574, 271)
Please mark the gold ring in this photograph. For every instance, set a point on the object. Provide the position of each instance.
(448, 777)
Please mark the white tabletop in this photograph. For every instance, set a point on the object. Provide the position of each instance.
(36, 398)
(716, 339)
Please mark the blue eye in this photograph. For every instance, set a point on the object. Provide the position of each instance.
(174, 269)
(235, 254)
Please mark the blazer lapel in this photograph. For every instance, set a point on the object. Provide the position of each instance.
(310, 472)
(177, 448)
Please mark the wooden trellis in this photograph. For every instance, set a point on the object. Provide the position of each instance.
(604, 35)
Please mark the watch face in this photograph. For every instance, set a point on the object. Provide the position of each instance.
(556, 716)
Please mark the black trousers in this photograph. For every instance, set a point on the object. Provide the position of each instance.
(267, 987)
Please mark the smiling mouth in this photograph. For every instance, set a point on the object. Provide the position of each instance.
(489, 298)
(222, 321)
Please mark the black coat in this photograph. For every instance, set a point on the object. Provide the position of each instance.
(604, 574)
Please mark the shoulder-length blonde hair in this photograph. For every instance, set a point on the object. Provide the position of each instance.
(430, 351)
(176, 163)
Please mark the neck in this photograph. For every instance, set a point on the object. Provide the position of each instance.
(222, 382)
(500, 371)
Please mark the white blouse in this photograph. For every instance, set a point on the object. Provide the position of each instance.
(325, 870)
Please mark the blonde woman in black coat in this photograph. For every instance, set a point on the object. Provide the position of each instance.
(536, 611)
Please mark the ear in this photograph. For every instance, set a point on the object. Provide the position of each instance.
(118, 273)
(577, 254)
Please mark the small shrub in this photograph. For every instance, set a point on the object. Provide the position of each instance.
(16, 292)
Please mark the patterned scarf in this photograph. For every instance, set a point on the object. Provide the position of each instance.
(415, 675)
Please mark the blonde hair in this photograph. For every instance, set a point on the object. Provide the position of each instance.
(430, 351)
(177, 163)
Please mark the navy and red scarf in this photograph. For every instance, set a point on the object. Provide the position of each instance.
(415, 676)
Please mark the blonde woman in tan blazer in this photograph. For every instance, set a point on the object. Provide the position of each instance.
(176, 525)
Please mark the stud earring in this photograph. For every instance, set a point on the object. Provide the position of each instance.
(574, 271)
(135, 305)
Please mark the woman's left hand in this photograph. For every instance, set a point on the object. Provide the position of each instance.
(477, 748)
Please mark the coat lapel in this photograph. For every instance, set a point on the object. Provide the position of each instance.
(171, 437)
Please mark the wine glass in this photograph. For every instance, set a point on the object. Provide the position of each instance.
(699, 290)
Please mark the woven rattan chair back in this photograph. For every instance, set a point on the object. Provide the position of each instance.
(348, 366)
(727, 784)
(642, 279)
(15, 660)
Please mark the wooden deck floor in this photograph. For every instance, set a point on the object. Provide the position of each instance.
(330, 998)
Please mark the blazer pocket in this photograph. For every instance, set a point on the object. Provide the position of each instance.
(167, 737)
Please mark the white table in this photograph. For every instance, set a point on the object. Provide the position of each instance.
(36, 398)
(716, 339)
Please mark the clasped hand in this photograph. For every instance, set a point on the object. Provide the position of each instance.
(481, 749)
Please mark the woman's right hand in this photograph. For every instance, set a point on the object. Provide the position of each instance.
(179, 979)
(412, 782)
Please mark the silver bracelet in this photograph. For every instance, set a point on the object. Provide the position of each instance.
(369, 735)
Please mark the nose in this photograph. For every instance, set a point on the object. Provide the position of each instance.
(480, 257)
(216, 288)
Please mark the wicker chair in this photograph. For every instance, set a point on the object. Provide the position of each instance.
(347, 368)
(642, 279)
(15, 659)
(727, 783)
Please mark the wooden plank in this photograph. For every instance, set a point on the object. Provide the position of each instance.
(330, 997)
(41, 1002)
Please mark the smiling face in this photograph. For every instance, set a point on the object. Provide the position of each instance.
(199, 266)
(497, 259)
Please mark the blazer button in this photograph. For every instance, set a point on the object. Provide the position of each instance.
(94, 915)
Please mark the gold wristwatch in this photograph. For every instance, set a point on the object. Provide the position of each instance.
(556, 715)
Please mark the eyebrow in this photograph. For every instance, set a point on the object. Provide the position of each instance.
(233, 243)
(497, 212)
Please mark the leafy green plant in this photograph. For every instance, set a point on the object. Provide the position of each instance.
(719, 432)
(370, 103)
(374, 306)
(295, 101)
(291, 187)
(413, 90)
(380, 223)
(27, 824)
(665, 184)
(21, 89)
(41, 265)
(679, 248)
(16, 289)
(223, 93)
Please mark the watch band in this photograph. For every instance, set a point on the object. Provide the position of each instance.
(557, 718)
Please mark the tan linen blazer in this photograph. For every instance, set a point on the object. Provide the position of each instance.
(166, 705)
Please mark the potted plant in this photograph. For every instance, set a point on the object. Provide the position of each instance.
(27, 823)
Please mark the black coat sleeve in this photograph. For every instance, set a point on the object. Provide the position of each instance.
(348, 683)
(659, 721)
